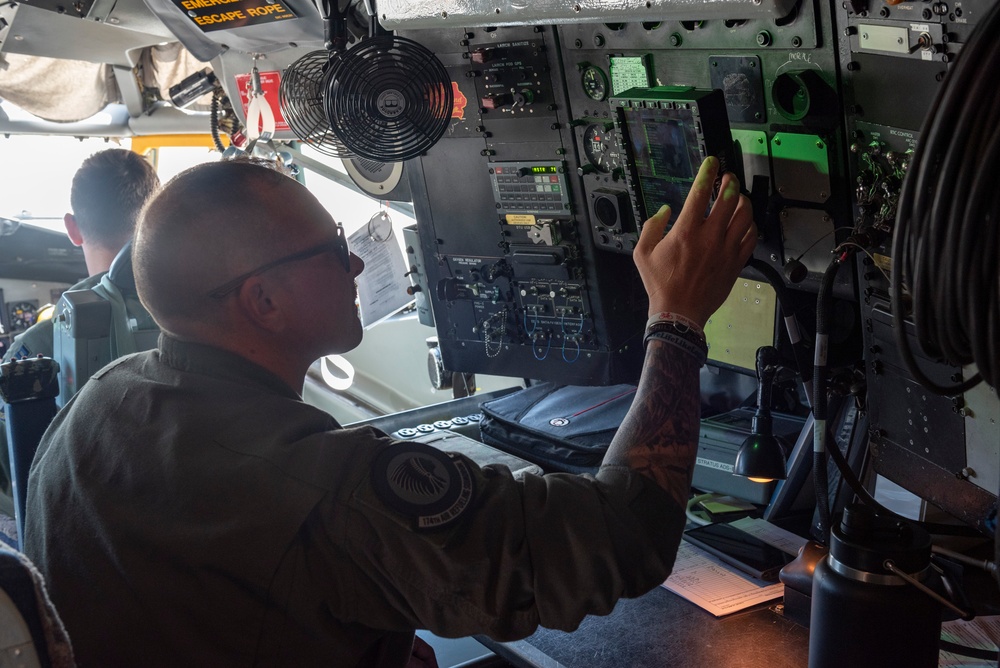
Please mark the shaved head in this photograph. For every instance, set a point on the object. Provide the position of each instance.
(209, 224)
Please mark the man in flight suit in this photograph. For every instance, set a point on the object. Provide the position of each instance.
(187, 508)
(107, 193)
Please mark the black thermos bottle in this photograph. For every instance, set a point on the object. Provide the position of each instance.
(863, 615)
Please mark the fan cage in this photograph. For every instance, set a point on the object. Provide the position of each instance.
(389, 99)
(301, 99)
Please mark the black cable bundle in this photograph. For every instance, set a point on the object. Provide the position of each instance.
(946, 246)
(824, 316)
(773, 278)
(213, 120)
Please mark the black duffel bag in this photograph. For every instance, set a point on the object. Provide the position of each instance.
(559, 427)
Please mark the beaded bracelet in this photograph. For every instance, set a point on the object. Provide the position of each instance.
(676, 318)
(699, 353)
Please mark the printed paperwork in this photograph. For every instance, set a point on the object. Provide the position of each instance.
(382, 286)
(978, 633)
(719, 588)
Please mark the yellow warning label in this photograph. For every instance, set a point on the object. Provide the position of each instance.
(212, 15)
(520, 219)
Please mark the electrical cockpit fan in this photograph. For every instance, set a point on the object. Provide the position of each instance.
(304, 84)
(388, 98)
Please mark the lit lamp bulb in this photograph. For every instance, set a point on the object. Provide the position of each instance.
(761, 457)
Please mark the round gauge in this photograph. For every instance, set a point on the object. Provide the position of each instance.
(22, 315)
(601, 147)
(595, 83)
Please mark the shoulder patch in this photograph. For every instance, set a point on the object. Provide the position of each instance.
(432, 487)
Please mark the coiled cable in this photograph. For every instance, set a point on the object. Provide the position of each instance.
(946, 240)
(213, 120)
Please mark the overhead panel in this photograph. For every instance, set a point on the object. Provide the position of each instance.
(414, 14)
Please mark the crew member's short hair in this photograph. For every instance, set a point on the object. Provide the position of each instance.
(108, 192)
(207, 224)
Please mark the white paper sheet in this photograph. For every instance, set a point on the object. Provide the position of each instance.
(714, 586)
(382, 285)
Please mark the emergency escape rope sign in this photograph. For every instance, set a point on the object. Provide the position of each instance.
(212, 15)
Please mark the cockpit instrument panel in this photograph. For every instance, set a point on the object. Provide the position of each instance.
(595, 83)
(666, 134)
(601, 146)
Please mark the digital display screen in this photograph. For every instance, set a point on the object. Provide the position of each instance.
(664, 149)
(547, 169)
(740, 549)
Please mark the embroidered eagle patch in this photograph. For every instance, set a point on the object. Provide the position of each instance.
(430, 486)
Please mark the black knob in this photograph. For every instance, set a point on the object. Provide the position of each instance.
(524, 97)
(448, 289)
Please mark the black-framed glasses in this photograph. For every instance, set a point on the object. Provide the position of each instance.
(337, 246)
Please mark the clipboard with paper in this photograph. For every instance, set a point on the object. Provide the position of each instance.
(383, 288)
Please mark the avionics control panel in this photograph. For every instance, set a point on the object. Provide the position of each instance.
(517, 285)
(666, 133)
(530, 188)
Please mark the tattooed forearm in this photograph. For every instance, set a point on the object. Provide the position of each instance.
(659, 436)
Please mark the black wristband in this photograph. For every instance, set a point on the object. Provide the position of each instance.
(699, 351)
(695, 338)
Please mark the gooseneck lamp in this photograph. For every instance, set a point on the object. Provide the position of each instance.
(761, 457)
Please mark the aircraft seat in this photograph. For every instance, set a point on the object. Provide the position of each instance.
(29, 388)
(31, 633)
(93, 327)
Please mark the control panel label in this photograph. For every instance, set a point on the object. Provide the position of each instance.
(712, 464)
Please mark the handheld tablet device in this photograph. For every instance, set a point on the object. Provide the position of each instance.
(740, 549)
